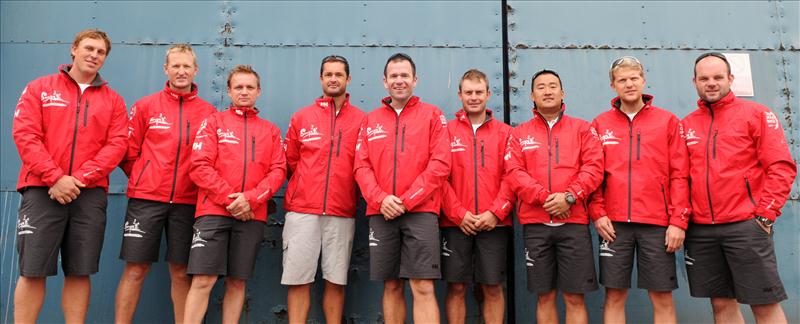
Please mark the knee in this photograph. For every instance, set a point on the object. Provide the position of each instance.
(548, 298)
(492, 291)
(235, 284)
(177, 272)
(456, 289)
(723, 304)
(203, 282)
(136, 271)
(393, 286)
(661, 299)
(573, 299)
(765, 309)
(421, 287)
(616, 296)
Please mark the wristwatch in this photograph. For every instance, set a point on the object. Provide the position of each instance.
(765, 221)
(569, 198)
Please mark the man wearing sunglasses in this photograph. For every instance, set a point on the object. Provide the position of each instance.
(741, 173)
(642, 208)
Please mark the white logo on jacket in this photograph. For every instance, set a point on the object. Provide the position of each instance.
(227, 136)
(529, 143)
(608, 138)
(203, 125)
(376, 133)
(53, 99)
(691, 138)
(24, 226)
(159, 122)
(771, 120)
(456, 146)
(310, 135)
(132, 229)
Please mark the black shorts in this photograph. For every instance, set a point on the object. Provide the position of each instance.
(733, 260)
(406, 247)
(225, 246)
(144, 223)
(654, 266)
(46, 227)
(479, 258)
(559, 257)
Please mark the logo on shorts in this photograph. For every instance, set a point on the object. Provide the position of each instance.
(24, 226)
(445, 250)
(372, 240)
(606, 251)
(197, 241)
(689, 260)
(528, 259)
(132, 229)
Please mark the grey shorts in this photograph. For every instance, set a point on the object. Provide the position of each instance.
(46, 227)
(733, 260)
(479, 258)
(406, 247)
(305, 237)
(144, 223)
(225, 246)
(559, 257)
(654, 266)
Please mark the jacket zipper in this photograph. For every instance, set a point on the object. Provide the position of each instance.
(244, 158)
(664, 196)
(339, 143)
(85, 112)
(394, 161)
(403, 140)
(330, 155)
(749, 191)
(630, 165)
(483, 156)
(557, 150)
(139, 178)
(549, 159)
(188, 133)
(253, 149)
(715, 145)
(75, 133)
(708, 165)
(178, 153)
(475, 167)
(638, 144)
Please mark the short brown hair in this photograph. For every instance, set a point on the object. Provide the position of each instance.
(474, 75)
(92, 33)
(246, 69)
(180, 48)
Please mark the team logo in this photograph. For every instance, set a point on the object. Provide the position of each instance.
(227, 136)
(20, 101)
(376, 133)
(771, 120)
(132, 229)
(132, 113)
(372, 240)
(443, 120)
(529, 143)
(445, 250)
(606, 251)
(197, 241)
(53, 100)
(24, 226)
(691, 138)
(689, 260)
(456, 145)
(159, 122)
(608, 138)
(200, 130)
(594, 132)
(310, 135)
(528, 260)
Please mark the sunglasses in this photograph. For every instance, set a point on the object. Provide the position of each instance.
(714, 54)
(623, 59)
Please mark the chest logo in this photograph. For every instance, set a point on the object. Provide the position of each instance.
(456, 145)
(529, 143)
(310, 135)
(608, 138)
(159, 122)
(691, 138)
(53, 99)
(771, 120)
(227, 136)
(376, 133)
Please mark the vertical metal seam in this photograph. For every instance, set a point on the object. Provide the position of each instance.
(510, 282)
(786, 92)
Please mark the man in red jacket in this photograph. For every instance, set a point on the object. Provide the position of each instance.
(238, 163)
(642, 208)
(741, 173)
(69, 129)
(321, 196)
(161, 196)
(402, 160)
(553, 162)
(476, 204)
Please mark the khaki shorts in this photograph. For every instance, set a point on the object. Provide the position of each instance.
(305, 237)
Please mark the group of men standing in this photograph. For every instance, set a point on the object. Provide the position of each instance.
(440, 195)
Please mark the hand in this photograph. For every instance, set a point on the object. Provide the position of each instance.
(239, 208)
(468, 224)
(765, 228)
(562, 216)
(556, 204)
(605, 228)
(66, 189)
(486, 221)
(392, 207)
(674, 238)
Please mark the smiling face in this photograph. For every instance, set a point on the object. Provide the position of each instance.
(244, 89)
(474, 94)
(547, 94)
(712, 79)
(400, 80)
(180, 70)
(628, 84)
(88, 56)
(334, 79)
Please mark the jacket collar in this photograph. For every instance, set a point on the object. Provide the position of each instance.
(175, 95)
(64, 69)
(240, 111)
(536, 113)
(327, 102)
(616, 103)
(461, 115)
(411, 102)
(721, 103)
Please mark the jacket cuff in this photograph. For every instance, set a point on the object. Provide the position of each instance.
(767, 213)
(52, 177)
(542, 196)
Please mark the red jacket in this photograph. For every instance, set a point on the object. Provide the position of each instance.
(540, 161)
(646, 167)
(320, 150)
(161, 131)
(236, 151)
(476, 178)
(740, 165)
(407, 155)
(61, 131)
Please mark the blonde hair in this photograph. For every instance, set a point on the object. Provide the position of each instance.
(629, 62)
(91, 33)
(474, 75)
(246, 69)
(180, 48)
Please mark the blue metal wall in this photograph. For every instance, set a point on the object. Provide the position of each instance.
(285, 40)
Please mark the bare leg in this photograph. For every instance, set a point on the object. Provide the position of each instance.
(663, 307)
(333, 302)
(197, 298)
(494, 304)
(614, 306)
(726, 311)
(233, 301)
(426, 310)
(129, 290)
(394, 302)
(298, 300)
(180, 284)
(768, 313)
(576, 309)
(455, 308)
(28, 299)
(546, 308)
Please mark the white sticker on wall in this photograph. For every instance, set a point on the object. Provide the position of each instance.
(742, 74)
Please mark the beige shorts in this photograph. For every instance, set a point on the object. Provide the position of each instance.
(305, 236)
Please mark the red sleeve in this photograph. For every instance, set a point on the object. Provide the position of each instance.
(116, 143)
(28, 134)
(504, 202)
(779, 168)
(519, 180)
(204, 156)
(292, 145)
(438, 168)
(137, 127)
(451, 205)
(597, 201)
(274, 178)
(680, 208)
(364, 174)
(590, 173)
